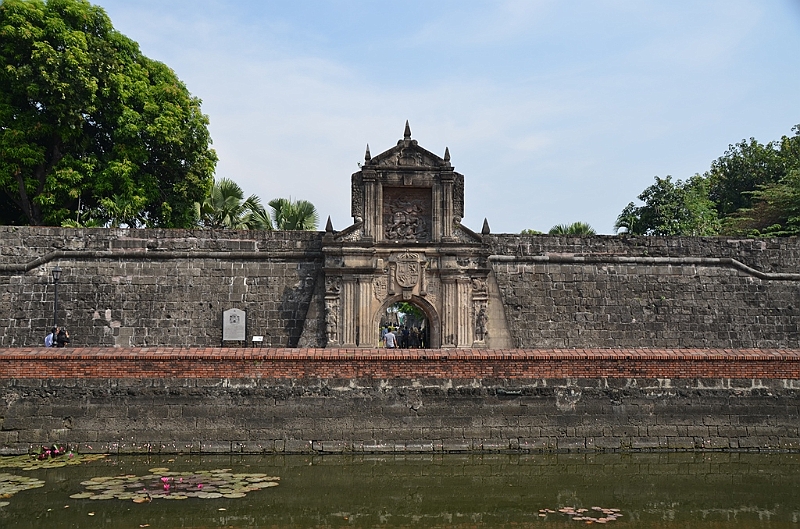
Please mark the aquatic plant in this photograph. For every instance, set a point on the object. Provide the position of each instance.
(163, 484)
(601, 514)
(11, 484)
(35, 461)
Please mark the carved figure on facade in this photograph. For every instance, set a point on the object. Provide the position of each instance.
(332, 321)
(479, 285)
(405, 220)
(333, 285)
(481, 321)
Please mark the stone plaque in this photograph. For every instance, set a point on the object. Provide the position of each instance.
(233, 325)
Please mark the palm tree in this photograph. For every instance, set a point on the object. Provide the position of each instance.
(225, 207)
(294, 215)
(576, 228)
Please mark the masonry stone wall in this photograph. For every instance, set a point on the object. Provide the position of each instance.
(155, 287)
(648, 291)
(306, 401)
(125, 287)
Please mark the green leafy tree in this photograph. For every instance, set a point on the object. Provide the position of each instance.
(740, 171)
(530, 232)
(86, 118)
(226, 207)
(671, 208)
(576, 228)
(294, 215)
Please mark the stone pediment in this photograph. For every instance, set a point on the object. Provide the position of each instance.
(407, 194)
(407, 154)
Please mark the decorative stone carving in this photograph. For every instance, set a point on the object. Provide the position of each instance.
(408, 270)
(432, 289)
(458, 195)
(332, 321)
(357, 196)
(333, 285)
(380, 287)
(478, 285)
(481, 321)
(407, 214)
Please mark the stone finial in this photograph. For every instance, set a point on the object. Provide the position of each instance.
(446, 154)
(485, 230)
(367, 155)
(329, 225)
(407, 133)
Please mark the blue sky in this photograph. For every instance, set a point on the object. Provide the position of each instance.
(554, 111)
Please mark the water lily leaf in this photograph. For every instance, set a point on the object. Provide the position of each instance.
(81, 495)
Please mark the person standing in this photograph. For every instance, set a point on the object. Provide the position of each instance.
(390, 340)
(50, 339)
(62, 338)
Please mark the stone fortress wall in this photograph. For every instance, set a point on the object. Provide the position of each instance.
(169, 288)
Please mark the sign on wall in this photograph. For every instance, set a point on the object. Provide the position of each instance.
(233, 325)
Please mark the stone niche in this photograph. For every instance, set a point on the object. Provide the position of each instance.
(407, 244)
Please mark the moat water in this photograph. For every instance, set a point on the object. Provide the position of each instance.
(664, 490)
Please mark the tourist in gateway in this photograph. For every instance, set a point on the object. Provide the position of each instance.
(390, 340)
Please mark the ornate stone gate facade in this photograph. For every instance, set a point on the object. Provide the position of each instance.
(407, 243)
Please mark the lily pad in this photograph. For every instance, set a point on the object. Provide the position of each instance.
(162, 483)
(30, 462)
(10, 484)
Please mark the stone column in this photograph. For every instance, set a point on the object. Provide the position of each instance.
(464, 304)
(447, 205)
(436, 213)
(369, 204)
(365, 330)
(349, 312)
(378, 212)
(449, 312)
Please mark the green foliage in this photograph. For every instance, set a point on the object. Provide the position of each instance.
(530, 232)
(294, 215)
(85, 117)
(671, 208)
(576, 228)
(226, 207)
(740, 171)
(753, 189)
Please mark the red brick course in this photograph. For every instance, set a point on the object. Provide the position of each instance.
(165, 362)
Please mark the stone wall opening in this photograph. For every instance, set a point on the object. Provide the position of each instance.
(426, 314)
(410, 324)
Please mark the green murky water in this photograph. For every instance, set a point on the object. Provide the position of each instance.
(675, 490)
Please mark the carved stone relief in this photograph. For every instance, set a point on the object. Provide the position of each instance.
(357, 196)
(333, 285)
(407, 214)
(380, 287)
(332, 321)
(481, 321)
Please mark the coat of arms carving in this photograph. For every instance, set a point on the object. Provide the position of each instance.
(408, 270)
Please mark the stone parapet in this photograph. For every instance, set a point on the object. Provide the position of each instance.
(219, 400)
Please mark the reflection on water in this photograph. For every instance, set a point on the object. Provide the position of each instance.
(674, 490)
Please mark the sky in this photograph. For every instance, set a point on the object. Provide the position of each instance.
(554, 111)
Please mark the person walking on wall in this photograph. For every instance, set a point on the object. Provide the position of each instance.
(390, 340)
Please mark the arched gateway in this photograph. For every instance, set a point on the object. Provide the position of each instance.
(407, 243)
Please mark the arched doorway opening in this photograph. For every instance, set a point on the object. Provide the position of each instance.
(414, 321)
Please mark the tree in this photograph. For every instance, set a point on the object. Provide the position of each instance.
(528, 231)
(576, 228)
(740, 171)
(294, 215)
(85, 117)
(671, 208)
(226, 207)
